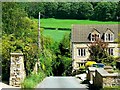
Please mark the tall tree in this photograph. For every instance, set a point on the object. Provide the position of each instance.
(98, 52)
(50, 9)
(118, 11)
(85, 10)
(74, 10)
(105, 11)
(63, 10)
(12, 16)
(34, 8)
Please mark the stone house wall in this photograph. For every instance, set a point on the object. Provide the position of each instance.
(83, 59)
(79, 59)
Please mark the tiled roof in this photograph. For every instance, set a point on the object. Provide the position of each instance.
(80, 33)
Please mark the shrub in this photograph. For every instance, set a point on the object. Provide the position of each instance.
(32, 80)
(90, 63)
(82, 69)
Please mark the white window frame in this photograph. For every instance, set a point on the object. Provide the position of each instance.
(93, 38)
(112, 37)
(81, 52)
(109, 37)
(111, 51)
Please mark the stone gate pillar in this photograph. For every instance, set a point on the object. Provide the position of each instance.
(17, 71)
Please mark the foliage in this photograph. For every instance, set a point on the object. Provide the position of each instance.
(63, 10)
(63, 59)
(34, 8)
(18, 36)
(50, 9)
(47, 55)
(90, 63)
(74, 10)
(105, 11)
(97, 50)
(85, 10)
(111, 88)
(32, 80)
(82, 69)
(12, 18)
(118, 11)
(99, 54)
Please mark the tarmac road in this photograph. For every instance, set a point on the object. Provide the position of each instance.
(62, 82)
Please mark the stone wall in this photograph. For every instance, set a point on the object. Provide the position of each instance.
(99, 77)
(105, 79)
(112, 80)
(17, 71)
(90, 73)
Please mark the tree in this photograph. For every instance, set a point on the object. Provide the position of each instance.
(63, 10)
(12, 16)
(97, 50)
(74, 10)
(105, 11)
(18, 36)
(85, 10)
(34, 8)
(63, 58)
(118, 11)
(50, 9)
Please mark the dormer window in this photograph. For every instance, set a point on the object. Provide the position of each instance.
(109, 36)
(95, 35)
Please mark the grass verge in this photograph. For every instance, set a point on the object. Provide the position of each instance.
(111, 88)
(32, 80)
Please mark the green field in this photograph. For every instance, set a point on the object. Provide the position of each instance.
(67, 23)
(56, 35)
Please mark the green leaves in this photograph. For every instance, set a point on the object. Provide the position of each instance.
(105, 11)
(98, 52)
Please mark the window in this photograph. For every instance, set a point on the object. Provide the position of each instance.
(81, 52)
(112, 37)
(109, 37)
(94, 37)
(110, 51)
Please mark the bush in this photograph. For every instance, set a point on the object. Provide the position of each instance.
(32, 80)
(82, 69)
(90, 63)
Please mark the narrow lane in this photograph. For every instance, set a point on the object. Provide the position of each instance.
(61, 82)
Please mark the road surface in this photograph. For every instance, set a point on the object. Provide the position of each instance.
(62, 82)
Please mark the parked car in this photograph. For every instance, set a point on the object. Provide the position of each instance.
(98, 65)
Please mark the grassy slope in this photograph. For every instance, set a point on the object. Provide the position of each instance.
(63, 23)
(67, 23)
(57, 35)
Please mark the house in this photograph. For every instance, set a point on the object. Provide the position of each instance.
(83, 35)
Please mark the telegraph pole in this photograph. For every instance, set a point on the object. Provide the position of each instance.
(39, 45)
(39, 48)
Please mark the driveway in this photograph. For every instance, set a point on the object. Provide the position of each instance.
(62, 82)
